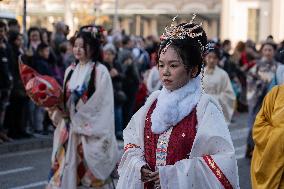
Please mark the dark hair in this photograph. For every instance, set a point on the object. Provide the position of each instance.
(226, 42)
(13, 36)
(93, 43)
(42, 31)
(13, 22)
(269, 42)
(3, 25)
(213, 47)
(32, 29)
(189, 49)
(41, 47)
(125, 40)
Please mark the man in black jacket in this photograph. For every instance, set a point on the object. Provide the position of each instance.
(5, 79)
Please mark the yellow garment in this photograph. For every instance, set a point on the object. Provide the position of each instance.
(268, 134)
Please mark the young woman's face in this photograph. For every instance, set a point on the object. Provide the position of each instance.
(78, 50)
(35, 36)
(108, 56)
(211, 60)
(45, 37)
(268, 52)
(173, 73)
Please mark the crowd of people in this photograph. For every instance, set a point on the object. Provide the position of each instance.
(136, 67)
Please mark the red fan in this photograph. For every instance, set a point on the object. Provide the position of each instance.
(43, 90)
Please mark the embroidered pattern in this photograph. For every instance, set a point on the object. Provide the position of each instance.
(217, 172)
(162, 147)
(128, 146)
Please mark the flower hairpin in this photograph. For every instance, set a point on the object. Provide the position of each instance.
(96, 31)
(180, 32)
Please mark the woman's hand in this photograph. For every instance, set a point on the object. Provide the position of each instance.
(145, 173)
(149, 176)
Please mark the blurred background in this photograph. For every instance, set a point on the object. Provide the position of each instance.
(234, 19)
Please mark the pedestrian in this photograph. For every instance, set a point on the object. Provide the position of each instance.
(217, 83)
(268, 130)
(261, 78)
(6, 79)
(19, 101)
(179, 138)
(110, 61)
(85, 149)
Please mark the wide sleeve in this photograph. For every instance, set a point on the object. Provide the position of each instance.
(129, 169)
(94, 124)
(56, 114)
(268, 134)
(211, 163)
(96, 116)
(226, 97)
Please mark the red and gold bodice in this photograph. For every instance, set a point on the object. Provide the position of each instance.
(179, 144)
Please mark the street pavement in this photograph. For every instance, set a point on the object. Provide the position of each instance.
(30, 169)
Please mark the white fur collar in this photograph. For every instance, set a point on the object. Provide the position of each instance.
(173, 106)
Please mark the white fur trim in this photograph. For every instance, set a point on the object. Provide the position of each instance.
(173, 106)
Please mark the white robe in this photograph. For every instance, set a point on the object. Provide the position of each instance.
(153, 80)
(218, 85)
(93, 126)
(212, 138)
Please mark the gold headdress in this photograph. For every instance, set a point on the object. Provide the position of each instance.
(181, 32)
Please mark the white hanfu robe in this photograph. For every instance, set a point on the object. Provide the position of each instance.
(91, 133)
(210, 164)
(218, 85)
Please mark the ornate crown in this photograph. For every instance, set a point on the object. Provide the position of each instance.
(181, 32)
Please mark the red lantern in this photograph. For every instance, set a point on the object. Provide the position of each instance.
(43, 90)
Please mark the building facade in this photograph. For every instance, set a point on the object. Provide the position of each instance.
(233, 19)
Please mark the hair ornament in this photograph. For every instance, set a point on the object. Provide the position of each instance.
(180, 32)
(96, 31)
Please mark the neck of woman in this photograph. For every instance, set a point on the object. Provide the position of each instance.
(83, 61)
(209, 69)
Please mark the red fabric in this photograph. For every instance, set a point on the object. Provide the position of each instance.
(244, 59)
(217, 172)
(141, 96)
(180, 143)
(43, 90)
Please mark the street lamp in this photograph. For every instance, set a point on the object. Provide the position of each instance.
(25, 17)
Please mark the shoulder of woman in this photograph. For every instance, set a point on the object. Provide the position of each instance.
(153, 96)
(101, 67)
(69, 68)
(221, 71)
(206, 101)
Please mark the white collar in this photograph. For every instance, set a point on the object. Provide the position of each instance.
(173, 106)
(80, 76)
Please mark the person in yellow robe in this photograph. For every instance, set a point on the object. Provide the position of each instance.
(267, 164)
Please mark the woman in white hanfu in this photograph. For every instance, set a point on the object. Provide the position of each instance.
(217, 82)
(153, 80)
(84, 147)
(179, 139)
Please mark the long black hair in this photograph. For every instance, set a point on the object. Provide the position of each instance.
(93, 42)
(189, 49)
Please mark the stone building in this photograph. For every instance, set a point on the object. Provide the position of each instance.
(233, 19)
